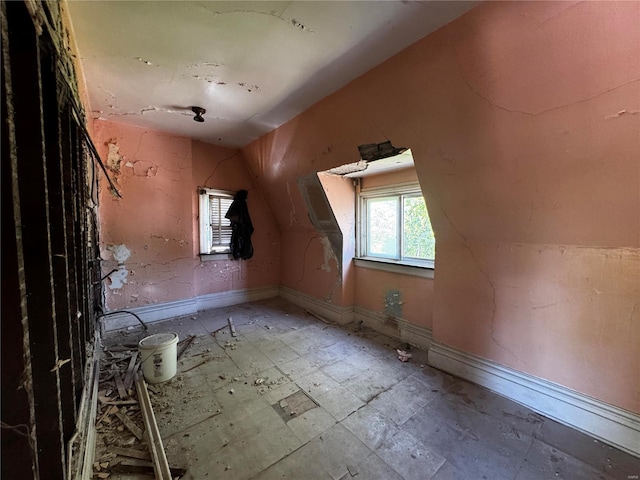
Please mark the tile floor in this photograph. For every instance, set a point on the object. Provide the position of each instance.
(294, 398)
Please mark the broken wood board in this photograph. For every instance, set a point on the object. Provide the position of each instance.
(107, 401)
(232, 327)
(154, 441)
(131, 453)
(122, 392)
(128, 379)
(132, 427)
(134, 465)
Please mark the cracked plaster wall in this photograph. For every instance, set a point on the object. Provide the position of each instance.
(156, 221)
(531, 175)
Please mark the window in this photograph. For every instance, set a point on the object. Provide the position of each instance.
(394, 226)
(215, 230)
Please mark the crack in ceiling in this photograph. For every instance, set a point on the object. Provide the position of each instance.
(145, 61)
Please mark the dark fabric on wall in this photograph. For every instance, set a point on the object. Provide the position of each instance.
(241, 227)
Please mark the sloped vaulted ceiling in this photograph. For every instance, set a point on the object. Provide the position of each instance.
(251, 65)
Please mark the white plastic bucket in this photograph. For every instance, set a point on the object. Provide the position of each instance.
(159, 354)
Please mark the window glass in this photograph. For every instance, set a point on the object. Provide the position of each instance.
(419, 241)
(383, 227)
(395, 225)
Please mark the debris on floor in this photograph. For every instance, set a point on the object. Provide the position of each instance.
(232, 327)
(239, 403)
(403, 355)
(184, 344)
(322, 319)
(122, 435)
(294, 405)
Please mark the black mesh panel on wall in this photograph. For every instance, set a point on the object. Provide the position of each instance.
(50, 266)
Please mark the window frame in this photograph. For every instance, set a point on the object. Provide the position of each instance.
(207, 247)
(399, 191)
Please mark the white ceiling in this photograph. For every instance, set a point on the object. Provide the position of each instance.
(251, 65)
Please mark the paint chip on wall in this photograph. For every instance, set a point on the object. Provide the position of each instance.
(114, 158)
(120, 253)
(118, 278)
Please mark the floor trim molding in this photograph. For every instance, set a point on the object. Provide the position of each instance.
(615, 426)
(399, 328)
(235, 297)
(334, 313)
(162, 311)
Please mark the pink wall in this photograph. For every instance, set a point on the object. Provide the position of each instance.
(151, 234)
(522, 118)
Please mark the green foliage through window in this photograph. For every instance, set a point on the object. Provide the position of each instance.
(397, 226)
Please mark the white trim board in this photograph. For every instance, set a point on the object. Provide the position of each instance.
(399, 328)
(403, 330)
(162, 311)
(80, 452)
(615, 426)
(334, 313)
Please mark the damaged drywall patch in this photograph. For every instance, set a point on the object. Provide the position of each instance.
(120, 253)
(328, 254)
(119, 277)
(393, 303)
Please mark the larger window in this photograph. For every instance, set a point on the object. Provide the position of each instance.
(395, 226)
(215, 229)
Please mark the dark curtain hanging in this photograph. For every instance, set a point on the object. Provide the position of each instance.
(241, 227)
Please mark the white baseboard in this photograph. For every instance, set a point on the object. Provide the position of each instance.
(162, 311)
(334, 313)
(397, 327)
(235, 297)
(615, 426)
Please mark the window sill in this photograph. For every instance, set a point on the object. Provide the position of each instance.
(209, 257)
(424, 271)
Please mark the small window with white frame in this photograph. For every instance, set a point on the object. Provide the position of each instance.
(215, 229)
(394, 226)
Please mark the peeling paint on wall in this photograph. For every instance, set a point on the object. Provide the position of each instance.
(114, 159)
(144, 169)
(249, 87)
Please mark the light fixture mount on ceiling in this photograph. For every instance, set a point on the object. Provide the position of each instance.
(199, 111)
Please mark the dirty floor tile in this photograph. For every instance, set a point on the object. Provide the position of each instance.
(292, 397)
